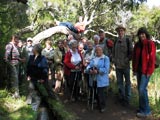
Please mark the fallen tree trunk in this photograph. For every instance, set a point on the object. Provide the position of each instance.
(59, 110)
(51, 31)
(53, 103)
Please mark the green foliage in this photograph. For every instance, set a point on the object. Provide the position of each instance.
(14, 109)
(153, 91)
(42, 14)
(60, 111)
(147, 17)
(12, 17)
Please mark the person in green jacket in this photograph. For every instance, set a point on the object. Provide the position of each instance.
(58, 57)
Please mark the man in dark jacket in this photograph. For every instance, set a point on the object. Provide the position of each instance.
(122, 53)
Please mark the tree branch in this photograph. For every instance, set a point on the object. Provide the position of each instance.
(91, 18)
(51, 31)
(83, 7)
(32, 27)
(107, 32)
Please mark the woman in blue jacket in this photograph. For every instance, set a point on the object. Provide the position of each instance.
(99, 66)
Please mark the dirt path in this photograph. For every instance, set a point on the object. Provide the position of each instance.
(114, 111)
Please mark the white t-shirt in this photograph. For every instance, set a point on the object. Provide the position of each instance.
(76, 58)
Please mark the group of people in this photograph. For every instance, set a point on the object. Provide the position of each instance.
(82, 66)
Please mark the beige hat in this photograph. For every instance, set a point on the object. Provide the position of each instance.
(120, 27)
(30, 39)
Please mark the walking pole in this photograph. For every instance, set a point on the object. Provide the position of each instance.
(92, 104)
(75, 79)
(88, 98)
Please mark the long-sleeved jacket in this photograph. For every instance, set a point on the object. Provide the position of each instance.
(67, 62)
(58, 57)
(103, 71)
(37, 69)
(146, 54)
(12, 54)
(122, 53)
(48, 53)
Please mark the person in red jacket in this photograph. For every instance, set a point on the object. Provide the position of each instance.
(73, 69)
(143, 67)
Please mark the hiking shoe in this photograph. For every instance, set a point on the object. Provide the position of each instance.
(103, 110)
(29, 100)
(73, 100)
(138, 111)
(16, 95)
(142, 115)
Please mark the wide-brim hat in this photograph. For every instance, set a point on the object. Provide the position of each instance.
(120, 27)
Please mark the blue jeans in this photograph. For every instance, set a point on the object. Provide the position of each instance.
(124, 89)
(69, 26)
(142, 81)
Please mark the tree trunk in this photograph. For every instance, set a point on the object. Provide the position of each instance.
(51, 31)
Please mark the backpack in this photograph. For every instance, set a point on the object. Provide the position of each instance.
(10, 55)
(109, 43)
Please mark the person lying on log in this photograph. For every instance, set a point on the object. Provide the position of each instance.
(77, 28)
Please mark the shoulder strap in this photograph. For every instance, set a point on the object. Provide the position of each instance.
(128, 51)
(11, 51)
(115, 41)
(104, 60)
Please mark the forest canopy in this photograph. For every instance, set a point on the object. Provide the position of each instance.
(29, 17)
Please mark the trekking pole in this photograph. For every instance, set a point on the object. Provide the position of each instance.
(88, 97)
(93, 92)
(92, 105)
(75, 79)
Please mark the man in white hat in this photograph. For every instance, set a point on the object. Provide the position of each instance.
(29, 46)
(122, 53)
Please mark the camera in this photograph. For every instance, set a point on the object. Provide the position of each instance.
(93, 68)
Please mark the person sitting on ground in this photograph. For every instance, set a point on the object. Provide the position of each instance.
(77, 28)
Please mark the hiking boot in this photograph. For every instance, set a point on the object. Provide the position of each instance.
(73, 100)
(142, 115)
(29, 100)
(16, 95)
(102, 110)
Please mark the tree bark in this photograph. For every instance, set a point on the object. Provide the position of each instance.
(51, 31)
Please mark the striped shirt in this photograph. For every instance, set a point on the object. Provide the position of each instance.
(12, 54)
